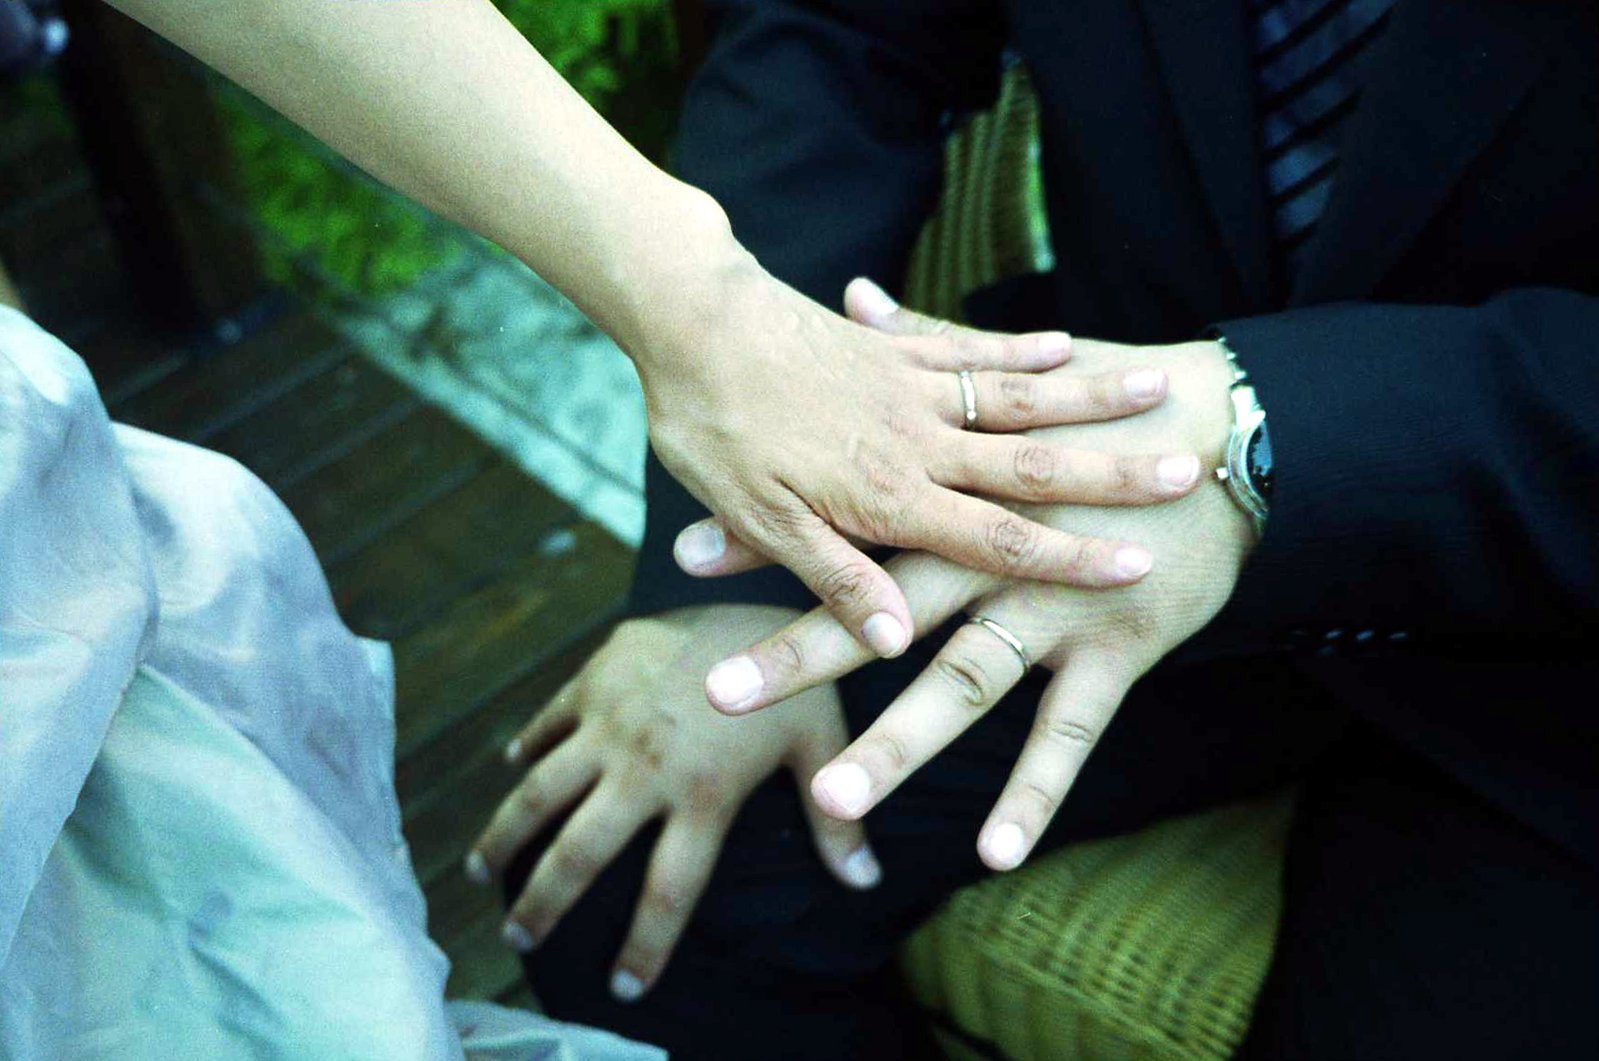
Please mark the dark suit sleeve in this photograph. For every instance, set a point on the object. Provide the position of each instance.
(1437, 471)
(817, 124)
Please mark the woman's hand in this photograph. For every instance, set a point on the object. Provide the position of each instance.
(1097, 642)
(802, 430)
(630, 740)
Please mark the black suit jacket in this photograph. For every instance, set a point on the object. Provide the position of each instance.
(1431, 376)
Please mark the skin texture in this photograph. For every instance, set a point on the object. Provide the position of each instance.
(1098, 643)
(630, 741)
(802, 429)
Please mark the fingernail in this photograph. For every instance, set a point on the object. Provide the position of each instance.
(847, 785)
(516, 937)
(1133, 562)
(513, 750)
(1052, 343)
(885, 634)
(1144, 384)
(733, 683)
(477, 870)
(873, 300)
(700, 545)
(1177, 472)
(625, 987)
(1007, 845)
(861, 869)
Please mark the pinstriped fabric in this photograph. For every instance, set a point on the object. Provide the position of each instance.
(1307, 57)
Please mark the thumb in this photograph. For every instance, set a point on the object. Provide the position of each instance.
(867, 303)
(843, 846)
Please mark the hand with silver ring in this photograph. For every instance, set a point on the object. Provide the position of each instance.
(1096, 643)
(905, 433)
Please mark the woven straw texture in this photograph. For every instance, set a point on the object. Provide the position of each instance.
(1149, 947)
(989, 222)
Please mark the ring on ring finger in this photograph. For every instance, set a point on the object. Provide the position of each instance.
(1012, 642)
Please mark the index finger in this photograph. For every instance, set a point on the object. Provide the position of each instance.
(817, 648)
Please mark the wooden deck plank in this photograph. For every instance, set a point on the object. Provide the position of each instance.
(490, 638)
(313, 419)
(216, 390)
(454, 546)
(465, 918)
(383, 481)
(454, 784)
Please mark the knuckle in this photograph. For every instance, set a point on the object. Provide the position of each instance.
(1043, 802)
(1037, 467)
(1013, 541)
(766, 522)
(1019, 397)
(666, 901)
(845, 586)
(786, 654)
(707, 796)
(890, 751)
(886, 479)
(1126, 475)
(574, 862)
(1070, 733)
(966, 678)
(1078, 557)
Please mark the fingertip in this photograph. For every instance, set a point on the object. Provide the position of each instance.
(700, 547)
(626, 987)
(1145, 385)
(476, 868)
(861, 870)
(733, 685)
(843, 790)
(1003, 847)
(1132, 562)
(513, 751)
(1055, 347)
(885, 634)
(1178, 474)
(867, 303)
(516, 937)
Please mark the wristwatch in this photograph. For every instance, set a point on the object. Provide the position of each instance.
(1246, 468)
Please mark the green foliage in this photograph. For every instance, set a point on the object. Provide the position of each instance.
(319, 219)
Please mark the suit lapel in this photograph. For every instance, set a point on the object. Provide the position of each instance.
(1445, 78)
(1202, 47)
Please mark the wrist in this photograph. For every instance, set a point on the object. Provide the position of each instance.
(683, 279)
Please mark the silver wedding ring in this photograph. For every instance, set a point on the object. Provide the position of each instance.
(968, 398)
(1006, 636)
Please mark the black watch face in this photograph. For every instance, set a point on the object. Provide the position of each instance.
(1257, 459)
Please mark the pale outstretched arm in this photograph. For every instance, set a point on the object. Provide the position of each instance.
(793, 424)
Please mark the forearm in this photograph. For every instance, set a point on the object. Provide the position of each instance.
(445, 101)
(1434, 469)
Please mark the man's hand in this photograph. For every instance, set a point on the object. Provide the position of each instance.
(630, 740)
(1098, 642)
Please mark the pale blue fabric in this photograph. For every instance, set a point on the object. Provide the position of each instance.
(200, 847)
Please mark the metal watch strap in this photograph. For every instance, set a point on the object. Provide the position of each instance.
(1248, 418)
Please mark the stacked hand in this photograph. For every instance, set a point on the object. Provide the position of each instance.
(630, 741)
(829, 432)
(1098, 642)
